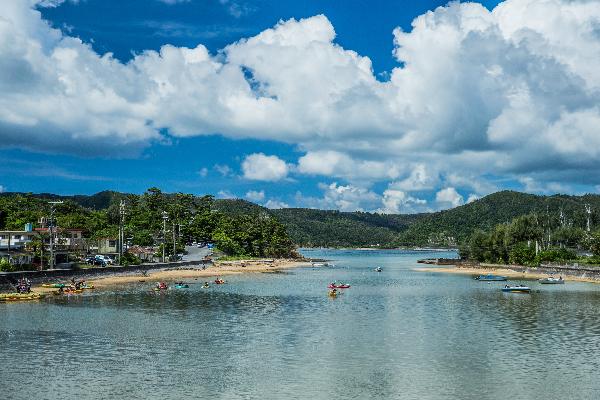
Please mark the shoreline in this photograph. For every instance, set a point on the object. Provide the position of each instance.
(172, 274)
(504, 271)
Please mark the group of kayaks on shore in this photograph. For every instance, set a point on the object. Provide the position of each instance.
(160, 286)
(22, 292)
(551, 280)
(23, 289)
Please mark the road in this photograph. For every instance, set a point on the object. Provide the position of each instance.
(195, 253)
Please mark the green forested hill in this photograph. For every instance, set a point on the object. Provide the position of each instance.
(310, 227)
(498, 208)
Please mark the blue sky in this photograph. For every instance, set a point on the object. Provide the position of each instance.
(381, 106)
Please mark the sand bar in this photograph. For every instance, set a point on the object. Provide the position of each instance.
(502, 271)
(218, 269)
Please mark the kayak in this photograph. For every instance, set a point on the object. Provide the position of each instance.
(378, 269)
(491, 278)
(219, 281)
(88, 286)
(53, 285)
(20, 296)
(184, 286)
(336, 286)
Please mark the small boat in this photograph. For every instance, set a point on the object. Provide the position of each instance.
(321, 264)
(160, 286)
(516, 289)
(53, 285)
(378, 269)
(20, 296)
(87, 286)
(205, 286)
(490, 278)
(219, 281)
(334, 285)
(551, 280)
(181, 285)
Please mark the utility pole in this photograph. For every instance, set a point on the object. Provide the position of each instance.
(165, 217)
(51, 229)
(174, 248)
(588, 210)
(121, 230)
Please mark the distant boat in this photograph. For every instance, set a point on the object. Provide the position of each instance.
(490, 278)
(516, 289)
(551, 280)
(378, 269)
(323, 264)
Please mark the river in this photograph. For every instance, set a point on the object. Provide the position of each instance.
(397, 334)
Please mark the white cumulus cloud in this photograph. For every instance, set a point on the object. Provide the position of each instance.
(255, 196)
(449, 197)
(261, 167)
(399, 202)
(510, 92)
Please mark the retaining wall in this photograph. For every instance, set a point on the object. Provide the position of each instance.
(89, 273)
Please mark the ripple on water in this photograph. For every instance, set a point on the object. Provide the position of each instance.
(398, 334)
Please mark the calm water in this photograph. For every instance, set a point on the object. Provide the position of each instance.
(398, 334)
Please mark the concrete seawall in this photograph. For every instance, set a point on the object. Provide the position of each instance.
(548, 269)
(89, 273)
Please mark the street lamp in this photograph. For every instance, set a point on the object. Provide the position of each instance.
(165, 217)
(51, 226)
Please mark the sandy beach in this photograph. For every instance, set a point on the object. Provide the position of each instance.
(500, 271)
(218, 269)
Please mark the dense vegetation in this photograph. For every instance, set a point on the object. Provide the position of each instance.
(533, 240)
(325, 228)
(189, 218)
(309, 227)
(501, 207)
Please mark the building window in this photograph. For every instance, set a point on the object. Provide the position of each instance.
(112, 243)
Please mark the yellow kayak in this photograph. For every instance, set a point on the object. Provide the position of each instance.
(20, 296)
(53, 285)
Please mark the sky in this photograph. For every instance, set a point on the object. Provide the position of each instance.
(391, 107)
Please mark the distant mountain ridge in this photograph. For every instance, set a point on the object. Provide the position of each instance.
(312, 227)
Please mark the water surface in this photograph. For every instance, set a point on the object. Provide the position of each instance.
(398, 334)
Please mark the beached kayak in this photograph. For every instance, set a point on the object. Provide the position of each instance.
(87, 286)
(490, 278)
(53, 285)
(20, 296)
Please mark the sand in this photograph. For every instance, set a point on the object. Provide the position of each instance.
(501, 271)
(169, 275)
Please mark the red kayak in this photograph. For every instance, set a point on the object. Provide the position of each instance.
(336, 286)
